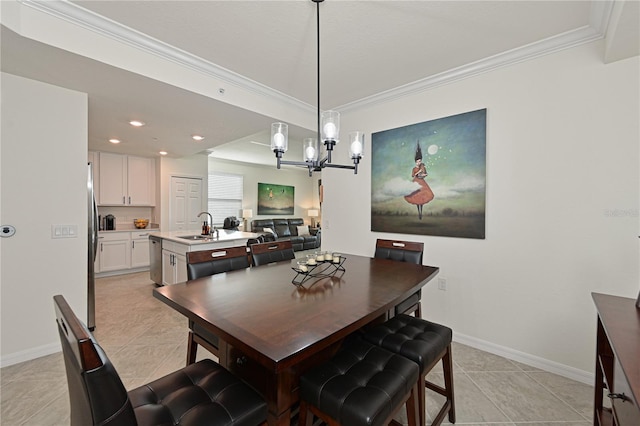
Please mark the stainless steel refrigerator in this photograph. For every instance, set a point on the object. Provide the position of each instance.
(92, 211)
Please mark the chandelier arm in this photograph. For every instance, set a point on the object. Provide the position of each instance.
(295, 163)
(339, 166)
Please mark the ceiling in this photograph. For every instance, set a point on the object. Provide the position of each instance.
(370, 51)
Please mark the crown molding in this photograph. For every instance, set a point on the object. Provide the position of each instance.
(553, 44)
(108, 28)
(598, 21)
(596, 30)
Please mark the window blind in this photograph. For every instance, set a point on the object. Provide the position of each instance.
(225, 195)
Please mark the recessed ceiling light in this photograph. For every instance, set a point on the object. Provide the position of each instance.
(162, 152)
(136, 123)
(197, 137)
(114, 140)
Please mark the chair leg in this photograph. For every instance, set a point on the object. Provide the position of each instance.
(413, 403)
(447, 364)
(422, 409)
(192, 349)
(446, 391)
(302, 414)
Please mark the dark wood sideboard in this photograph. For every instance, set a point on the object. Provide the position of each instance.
(617, 361)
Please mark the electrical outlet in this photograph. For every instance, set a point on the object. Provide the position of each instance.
(442, 284)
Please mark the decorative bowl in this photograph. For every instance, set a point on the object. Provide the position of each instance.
(141, 223)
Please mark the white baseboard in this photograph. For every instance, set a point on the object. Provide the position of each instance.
(528, 359)
(121, 272)
(29, 354)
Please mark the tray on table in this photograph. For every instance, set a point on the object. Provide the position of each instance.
(321, 269)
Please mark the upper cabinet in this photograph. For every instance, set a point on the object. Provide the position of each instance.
(126, 180)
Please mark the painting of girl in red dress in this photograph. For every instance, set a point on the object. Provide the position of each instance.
(437, 167)
(424, 194)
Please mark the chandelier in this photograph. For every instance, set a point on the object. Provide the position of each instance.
(328, 132)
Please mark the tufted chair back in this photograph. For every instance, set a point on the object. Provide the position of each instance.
(90, 375)
(270, 252)
(403, 251)
(210, 262)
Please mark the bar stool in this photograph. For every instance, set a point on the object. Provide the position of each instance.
(362, 385)
(425, 343)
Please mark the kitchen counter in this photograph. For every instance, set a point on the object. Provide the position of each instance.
(175, 249)
(226, 238)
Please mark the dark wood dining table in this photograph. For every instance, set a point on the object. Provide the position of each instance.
(272, 331)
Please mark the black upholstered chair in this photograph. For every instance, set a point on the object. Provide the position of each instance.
(202, 264)
(362, 385)
(425, 343)
(269, 252)
(202, 393)
(403, 251)
(210, 262)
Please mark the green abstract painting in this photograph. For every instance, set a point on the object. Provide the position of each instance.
(275, 199)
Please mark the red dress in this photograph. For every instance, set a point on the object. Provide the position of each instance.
(424, 194)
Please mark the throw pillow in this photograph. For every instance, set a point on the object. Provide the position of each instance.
(303, 230)
(269, 230)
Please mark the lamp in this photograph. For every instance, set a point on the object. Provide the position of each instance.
(246, 214)
(328, 133)
(312, 214)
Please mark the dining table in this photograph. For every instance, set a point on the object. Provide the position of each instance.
(275, 323)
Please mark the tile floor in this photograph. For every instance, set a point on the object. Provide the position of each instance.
(146, 339)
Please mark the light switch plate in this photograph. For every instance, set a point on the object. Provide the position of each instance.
(64, 231)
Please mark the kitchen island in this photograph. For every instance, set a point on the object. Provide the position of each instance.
(176, 244)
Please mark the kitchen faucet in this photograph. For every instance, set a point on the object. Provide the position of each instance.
(211, 227)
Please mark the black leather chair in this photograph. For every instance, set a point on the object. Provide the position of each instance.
(200, 394)
(425, 343)
(362, 385)
(403, 251)
(202, 264)
(269, 252)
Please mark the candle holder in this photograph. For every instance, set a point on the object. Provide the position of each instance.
(321, 269)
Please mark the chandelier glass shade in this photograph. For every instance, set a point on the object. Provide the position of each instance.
(328, 133)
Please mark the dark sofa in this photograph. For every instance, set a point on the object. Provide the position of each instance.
(287, 229)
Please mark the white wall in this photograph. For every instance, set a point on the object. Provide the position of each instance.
(306, 188)
(43, 182)
(562, 205)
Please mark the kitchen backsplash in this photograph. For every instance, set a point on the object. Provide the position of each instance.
(125, 215)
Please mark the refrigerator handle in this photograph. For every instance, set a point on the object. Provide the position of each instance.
(95, 229)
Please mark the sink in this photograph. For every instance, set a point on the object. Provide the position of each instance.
(195, 237)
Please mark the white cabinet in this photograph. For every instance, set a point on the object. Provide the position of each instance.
(140, 249)
(123, 251)
(126, 180)
(115, 252)
(140, 176)
(174, 262)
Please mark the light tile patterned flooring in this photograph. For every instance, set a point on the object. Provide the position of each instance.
(146, 339)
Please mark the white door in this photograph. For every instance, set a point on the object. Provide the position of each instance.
(186, 203)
